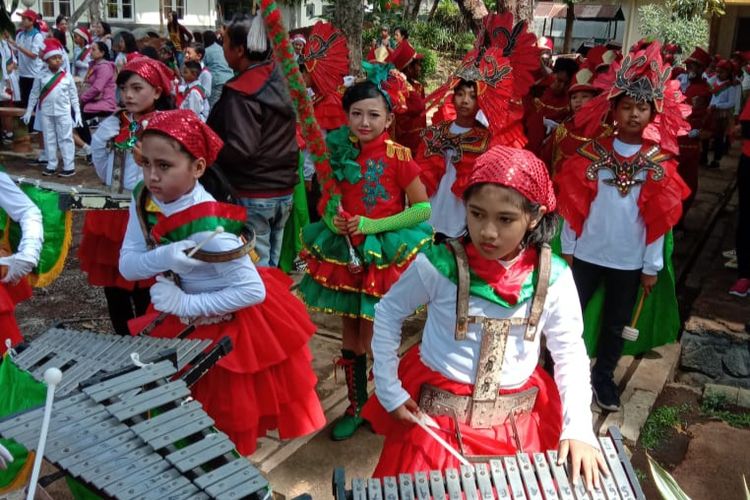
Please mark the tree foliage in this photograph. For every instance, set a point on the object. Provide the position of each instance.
(660, 22)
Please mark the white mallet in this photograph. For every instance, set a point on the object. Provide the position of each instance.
(631, 332)
(196, 248)
(425, 424)
(52, 376)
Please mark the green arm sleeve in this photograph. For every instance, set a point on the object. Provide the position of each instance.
(419, 212)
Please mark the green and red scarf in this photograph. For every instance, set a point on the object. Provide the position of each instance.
(50, 85)
(206, 216)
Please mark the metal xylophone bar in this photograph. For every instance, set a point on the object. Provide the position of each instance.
(81, 355)
(534, 476)
(80, 197)
(138, 435)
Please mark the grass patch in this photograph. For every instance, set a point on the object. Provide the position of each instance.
(659, 422)
(716, 405)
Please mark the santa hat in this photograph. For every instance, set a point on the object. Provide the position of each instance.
(724, 65)
(43, 26)
(643, 76)
(299, 38)
(699, 57)
(184, 126)
(154, 72)
(51, 48)
(545, 43)
(83, 33)
(583, 81)
(518, 169)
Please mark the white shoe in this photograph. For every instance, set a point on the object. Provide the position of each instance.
(731, 263)
(729, 254)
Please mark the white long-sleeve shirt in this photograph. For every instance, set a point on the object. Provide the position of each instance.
(195, 100)
(22, 210)
(561, 323)
(60, 100)
(448, 211)
(614, 234)
(103, 158)
(33, 41)
(206, 80)
(726, 98)
(81, 60)
(214, 289)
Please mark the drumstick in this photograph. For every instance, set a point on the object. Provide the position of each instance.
(52, 376)
(218, 230)
(450, 449)
(638, 310)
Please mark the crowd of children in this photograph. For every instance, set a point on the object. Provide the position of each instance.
(586, 156)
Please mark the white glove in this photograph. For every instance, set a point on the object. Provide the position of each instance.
(172, 257)
(549, 125)
(26, 118)
(5, 457)
(694, 133)
(18, 266)
(167, 297)
(77, 121)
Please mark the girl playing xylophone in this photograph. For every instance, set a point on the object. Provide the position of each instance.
(483, 360)
(13, 288)
(367, 236)
(266, 382)
(145, 87)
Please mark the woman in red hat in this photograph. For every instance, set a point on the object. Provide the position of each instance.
(510, 218)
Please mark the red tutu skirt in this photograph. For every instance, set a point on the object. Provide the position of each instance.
(99, 252)
(408, 449)
(10, 295)
(266, 382)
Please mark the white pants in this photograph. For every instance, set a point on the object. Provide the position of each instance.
(58, 133)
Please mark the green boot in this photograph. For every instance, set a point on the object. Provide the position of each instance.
(355, 369)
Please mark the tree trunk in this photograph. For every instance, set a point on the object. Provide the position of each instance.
(434, 9)
(570, 19)
(415, 9)
(522, 10)
(95, 13)
(474, 11)
(349, 16)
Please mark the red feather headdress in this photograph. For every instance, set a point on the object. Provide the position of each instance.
(502, 64)
(644, 76)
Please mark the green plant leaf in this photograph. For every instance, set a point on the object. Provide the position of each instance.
(665, 483)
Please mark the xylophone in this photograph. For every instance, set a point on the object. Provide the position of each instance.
(80, 197)
(81, 355)
(135, 434)
(527, 476)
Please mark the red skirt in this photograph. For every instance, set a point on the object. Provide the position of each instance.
(408, 449)
(10, 295)
(99, 252)
(267, 381)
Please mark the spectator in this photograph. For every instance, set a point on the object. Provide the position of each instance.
(98, 97)
(81, 52)
(385, 39)
(102, 33)
(62, 33)
(28, 44)
(255, 118)
(196, 53)
(400, 34)
(126, 45)
(180, 37)
(216, 63)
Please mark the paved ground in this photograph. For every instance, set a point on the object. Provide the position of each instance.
(305, 465)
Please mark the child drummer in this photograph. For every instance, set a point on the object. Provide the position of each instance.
(509, 203)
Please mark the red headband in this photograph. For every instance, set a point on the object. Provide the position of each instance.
(154, 72)
(518, 169)
(185, 127)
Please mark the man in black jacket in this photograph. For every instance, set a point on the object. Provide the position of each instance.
(255, 118)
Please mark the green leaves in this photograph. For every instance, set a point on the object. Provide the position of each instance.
(665, 483)
(661, 23)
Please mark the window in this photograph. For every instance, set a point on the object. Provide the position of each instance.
(310, 10)
(53, 8)
(120, 9)
(176, 6)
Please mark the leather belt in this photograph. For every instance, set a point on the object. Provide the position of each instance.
(206, 320)
(477, 414)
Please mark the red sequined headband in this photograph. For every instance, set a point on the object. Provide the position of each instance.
(154, 72)
(185, 127)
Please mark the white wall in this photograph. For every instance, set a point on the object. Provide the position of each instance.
(296, 16)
